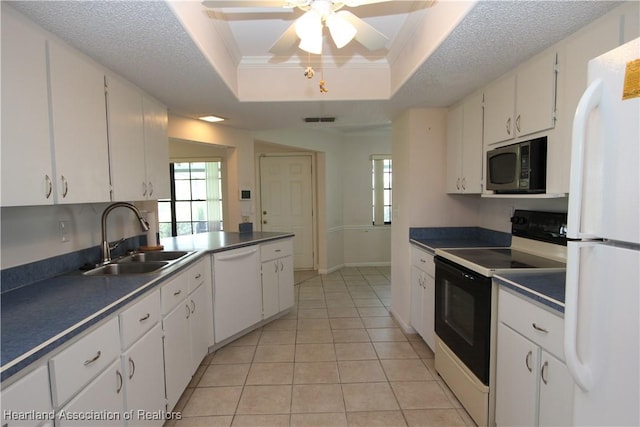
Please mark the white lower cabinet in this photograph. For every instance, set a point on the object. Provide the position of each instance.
(277, 277)
(101, 403)
(423, 295)
(200, 324)
(237, 291)
(177, 351)
(533, 386)
(30, 393)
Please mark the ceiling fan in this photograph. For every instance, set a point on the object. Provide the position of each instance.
(343, 25)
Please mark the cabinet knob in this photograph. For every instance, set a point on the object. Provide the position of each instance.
(264, 222)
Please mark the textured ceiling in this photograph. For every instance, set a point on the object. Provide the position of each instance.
(145, 42)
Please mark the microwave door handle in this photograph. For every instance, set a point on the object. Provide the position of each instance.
(589, 101)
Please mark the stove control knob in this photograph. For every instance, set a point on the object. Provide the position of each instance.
(518, 220)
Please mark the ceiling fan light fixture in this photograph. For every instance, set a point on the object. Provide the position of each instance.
(312, 44)
(342, 31)
(309, 25)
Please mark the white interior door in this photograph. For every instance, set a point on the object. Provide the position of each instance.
(287, 202)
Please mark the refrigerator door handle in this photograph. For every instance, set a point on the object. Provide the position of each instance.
(590, 100)
(580, 371)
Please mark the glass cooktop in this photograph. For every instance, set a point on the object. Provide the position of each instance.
(490, 260)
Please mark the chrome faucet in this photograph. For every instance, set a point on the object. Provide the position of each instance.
(106, 248)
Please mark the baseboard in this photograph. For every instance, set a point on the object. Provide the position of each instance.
(408, 329)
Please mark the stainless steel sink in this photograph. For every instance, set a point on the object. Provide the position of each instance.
(118, 269)
(152, 257)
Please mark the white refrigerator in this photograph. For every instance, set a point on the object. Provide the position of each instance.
(602, 320)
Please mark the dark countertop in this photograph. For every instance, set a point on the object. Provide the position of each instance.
(39, 317)
(545, 288)
(432, 238)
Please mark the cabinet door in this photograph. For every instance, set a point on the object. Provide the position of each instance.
(472, 161)
(237, 291)
(454, 149)
(156, 149)
(416, 300)
(499, 104)
(177, 352)
(104, 395)
(285, 283)
(126, 141)
(270, 291)
(536, 95)
(144, 377)
(556, 392)
(27, 177)
(200, 325)
(516, 379)
(79, 123)
(30, 393)
(428, 310)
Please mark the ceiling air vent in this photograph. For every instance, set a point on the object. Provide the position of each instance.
(319, 119)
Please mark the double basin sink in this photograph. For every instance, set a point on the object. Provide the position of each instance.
(138, 263)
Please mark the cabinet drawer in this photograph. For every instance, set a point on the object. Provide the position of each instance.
(424, 261)
(173, 292)
(197, 274)
(74, 367)
(269, 251)
(139, 318)
(539, 325)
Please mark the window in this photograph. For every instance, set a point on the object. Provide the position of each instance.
(196, 199)
(381, 186)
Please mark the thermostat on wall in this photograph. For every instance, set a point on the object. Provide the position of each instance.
(245, 194)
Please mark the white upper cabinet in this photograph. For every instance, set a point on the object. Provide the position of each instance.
(464, 147)
(79, 114)
(523, 103)
(126, 141)
(156, 144)
(536, 95)
(25, 115)
(138, 144)
(499, 105)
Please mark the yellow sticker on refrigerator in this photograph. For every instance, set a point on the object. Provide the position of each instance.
(631, 87)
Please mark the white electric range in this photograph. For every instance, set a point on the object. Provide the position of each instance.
(466, 303)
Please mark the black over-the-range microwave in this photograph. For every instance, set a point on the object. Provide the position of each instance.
(518, 168)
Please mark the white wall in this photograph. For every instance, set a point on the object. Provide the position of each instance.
(419, 199)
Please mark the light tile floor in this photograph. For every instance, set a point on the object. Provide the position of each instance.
(337, 359)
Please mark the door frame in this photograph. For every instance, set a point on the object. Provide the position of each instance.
(314, 217)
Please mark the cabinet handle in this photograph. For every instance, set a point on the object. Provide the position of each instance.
(120, 382)
(464, 183)
(93, 359)
(543, 373)
(193, 304)
(65, 186)
(198, 276)
(176, 293)
(518, 123)
(422, 260)
(458, 183)
(145, 317)
(540, 329)
(49, 184)
(527, 361)
(132, 368)
(150, 188)
(188, 310)
(275, 264)
(281, 266)
(509, 126)
(144, 188)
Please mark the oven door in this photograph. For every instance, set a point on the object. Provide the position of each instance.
(463, 314)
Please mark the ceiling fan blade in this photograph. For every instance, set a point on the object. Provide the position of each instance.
(287, 40)
(366, 35)
(355, 3)
(244, 3)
